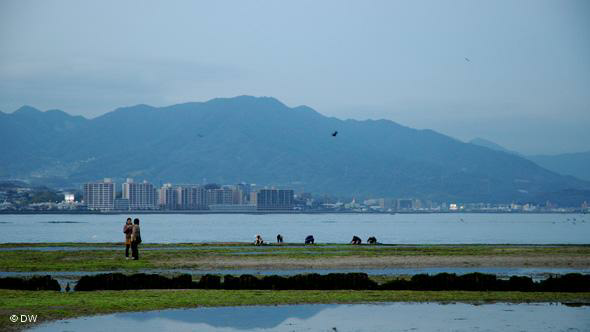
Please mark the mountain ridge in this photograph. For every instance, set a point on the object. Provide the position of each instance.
(491, 145)
(576, 164)
(261, 140)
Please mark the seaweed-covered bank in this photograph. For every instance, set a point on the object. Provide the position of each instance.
(572, 282)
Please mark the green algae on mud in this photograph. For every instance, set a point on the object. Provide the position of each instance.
(105, 257)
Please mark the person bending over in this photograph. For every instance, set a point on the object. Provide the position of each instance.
(258, 241)
(356, 240)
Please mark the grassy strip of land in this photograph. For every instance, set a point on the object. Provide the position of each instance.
(167, 256)
(223, 245)
(55, 305)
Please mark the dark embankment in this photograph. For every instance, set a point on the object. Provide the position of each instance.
(119, 281)
(573, 282)
(33, 283)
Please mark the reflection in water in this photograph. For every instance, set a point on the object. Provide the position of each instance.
(240, 318)
(351, 317)
(537, 273)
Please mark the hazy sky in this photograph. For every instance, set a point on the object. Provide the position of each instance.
(526, 86)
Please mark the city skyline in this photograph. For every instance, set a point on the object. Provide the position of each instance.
(102, 196)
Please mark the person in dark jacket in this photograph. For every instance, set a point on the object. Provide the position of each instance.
(356, 240)
(135, 239)
(127, 229)
(309, 239)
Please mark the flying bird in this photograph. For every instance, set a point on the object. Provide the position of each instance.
(335, 133)
(467, 59)
(200, 135)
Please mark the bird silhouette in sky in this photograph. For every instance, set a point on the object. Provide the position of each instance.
(200, 135)
(467, 59)
(335, 133)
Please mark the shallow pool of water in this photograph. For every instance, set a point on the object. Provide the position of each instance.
(535, 273)
(343, 317)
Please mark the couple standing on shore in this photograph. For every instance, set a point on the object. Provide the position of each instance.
(132, 238)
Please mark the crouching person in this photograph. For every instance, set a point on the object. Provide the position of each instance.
(258, 241)
(356, 240)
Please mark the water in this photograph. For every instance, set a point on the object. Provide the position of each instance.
(501, 272)
(343, 317)
(326, 228)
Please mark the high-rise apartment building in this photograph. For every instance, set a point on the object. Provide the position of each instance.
(274, 199)
(100, 195)
(168, 198)
(245, 190)
(141, 196)
(223, 195)
(192, 198)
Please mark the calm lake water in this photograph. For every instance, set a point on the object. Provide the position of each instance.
(326, 228)
(351, 317)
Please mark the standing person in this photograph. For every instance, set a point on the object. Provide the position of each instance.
(135, 239)
(127, 229)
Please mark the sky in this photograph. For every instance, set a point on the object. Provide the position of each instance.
(513, 72)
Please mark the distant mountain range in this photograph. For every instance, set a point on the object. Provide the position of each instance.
(491, 145)
(574, 164)
(261, 140)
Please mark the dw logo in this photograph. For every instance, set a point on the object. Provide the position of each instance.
(23, 318)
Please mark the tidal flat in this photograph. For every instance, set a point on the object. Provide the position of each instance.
(29, 257)
(80, 258)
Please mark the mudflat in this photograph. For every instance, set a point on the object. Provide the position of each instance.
(387, 262)
(101, 257)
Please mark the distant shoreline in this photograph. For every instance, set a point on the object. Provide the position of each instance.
(277, 212)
